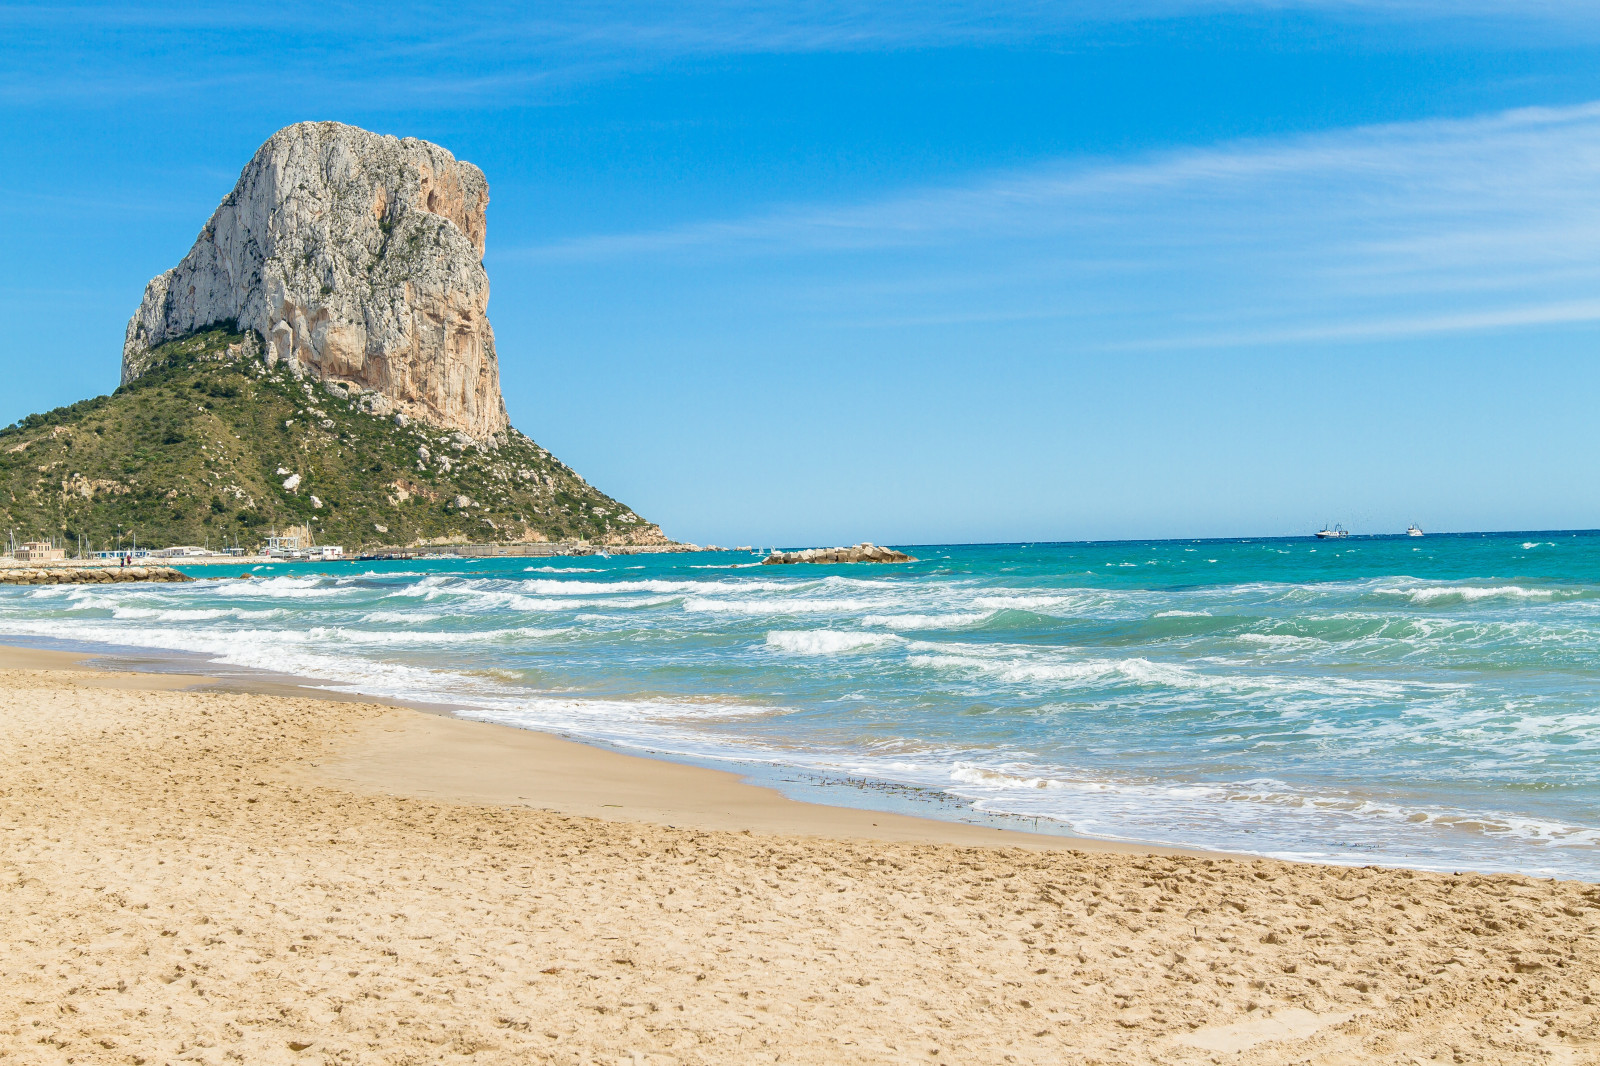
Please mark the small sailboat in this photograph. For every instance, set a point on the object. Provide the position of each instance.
(1333, 532)
(1413, 530)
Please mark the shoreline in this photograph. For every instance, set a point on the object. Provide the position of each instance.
(200, 875)
(429, 751)
(1008, 714)
(475, 761)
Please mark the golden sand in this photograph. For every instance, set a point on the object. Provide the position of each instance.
(236, 877)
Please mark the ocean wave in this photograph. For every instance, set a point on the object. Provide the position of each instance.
(1020, 601)
(826, 641)
(1472, 593)
(544, 605)
(288, 588)
(925, 621)
(192, 614)
(80, 597)
(478, 599)
(326, 636)
(765, 607)
(1281, 640)
(561, 570)
(413, 637)
(1012, 668)
(993, 784)
(700, 588)
(414, 617)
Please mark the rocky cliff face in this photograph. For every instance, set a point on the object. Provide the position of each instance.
(357, 258)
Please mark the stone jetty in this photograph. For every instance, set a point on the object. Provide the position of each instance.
(87, 575)
(865, 552)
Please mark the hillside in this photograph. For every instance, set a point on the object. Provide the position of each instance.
(209, 446)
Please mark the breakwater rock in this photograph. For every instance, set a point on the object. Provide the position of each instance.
(88, 575)
(865, 552)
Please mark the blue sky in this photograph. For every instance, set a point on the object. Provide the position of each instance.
(800, 273)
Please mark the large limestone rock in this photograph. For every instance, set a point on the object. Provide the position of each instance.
(358, 258)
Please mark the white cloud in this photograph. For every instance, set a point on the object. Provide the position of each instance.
(1394, 230)
(1433, 167)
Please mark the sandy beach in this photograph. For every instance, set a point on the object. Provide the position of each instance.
(214, 876)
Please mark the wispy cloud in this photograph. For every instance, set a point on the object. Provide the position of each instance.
(1434, 168)
(454, 52)
(1383, 231)
(738, 25)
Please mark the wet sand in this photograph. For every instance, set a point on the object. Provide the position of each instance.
(213, 876)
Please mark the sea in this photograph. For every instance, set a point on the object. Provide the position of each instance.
(1431, 702)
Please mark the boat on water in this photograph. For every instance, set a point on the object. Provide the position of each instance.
(1413, 530)
(1333, 532)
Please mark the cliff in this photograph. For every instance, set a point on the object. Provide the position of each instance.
(357, 259)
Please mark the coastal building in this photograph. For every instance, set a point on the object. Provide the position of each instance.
(286, 546)
(296, 543)
(39, 551)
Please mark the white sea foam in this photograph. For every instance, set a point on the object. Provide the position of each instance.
(561, 570)
(998, 788)
(287, 588)
(792, 605)
(192, 614)
(416, 638)
(1281, 640)
(969, 774)
(1469, 593)
(826, 641)
(1011, 667)
(955, 620)
(413, 617)
(701, 588)
(1026, 602)
(479, 599)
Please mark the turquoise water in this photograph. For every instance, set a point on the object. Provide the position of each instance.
(1427, 701)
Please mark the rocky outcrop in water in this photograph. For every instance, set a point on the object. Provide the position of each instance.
(865, 552)
(357, 258)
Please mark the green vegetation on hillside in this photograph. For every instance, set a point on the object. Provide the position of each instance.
(199, 451)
